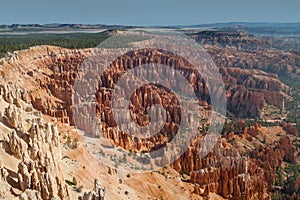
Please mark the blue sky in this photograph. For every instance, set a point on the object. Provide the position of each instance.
(151, 12)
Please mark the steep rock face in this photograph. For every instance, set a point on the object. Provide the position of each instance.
(224, 171)
(235, 180)
(142, 101)
(13, 116)
(241, 51)
(97, 194)
(59, 83)
(36, 146)
(16, 144)
(271, 61)
(39, 169)
(239, 40)
(271, 157)
(249, 91)
(244, 87)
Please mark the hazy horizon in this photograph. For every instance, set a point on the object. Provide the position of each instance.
(148, 13)
(200, 24)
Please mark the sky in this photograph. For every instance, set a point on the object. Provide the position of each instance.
(151, 12)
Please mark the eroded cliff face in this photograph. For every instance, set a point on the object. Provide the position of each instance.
(234, 175)
(98, 193)
(224, 171)
(242, 41)
(271, 61)
(31, 166)
(51, 75)
(249, 91)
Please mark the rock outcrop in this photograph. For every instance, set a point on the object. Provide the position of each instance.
(39, 170)
(16, 145)
(224, 171)
(239, 40)
(36, 146)
(234, 176)
(250, 91)
(97, 194)
(30, 195)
